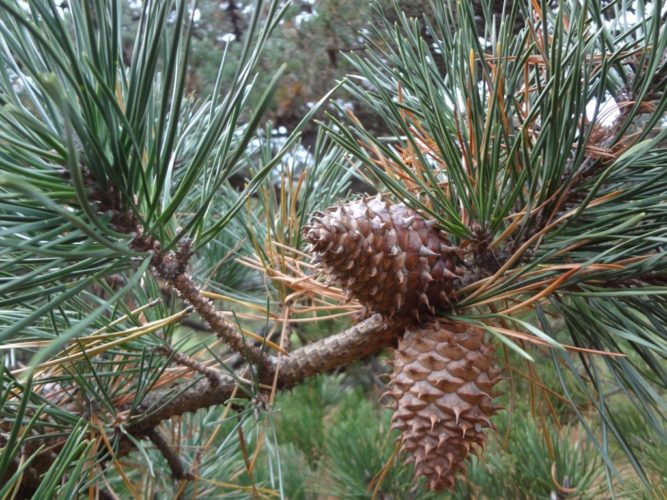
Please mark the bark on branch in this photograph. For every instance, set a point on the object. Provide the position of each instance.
(363, 339)
(223, 328)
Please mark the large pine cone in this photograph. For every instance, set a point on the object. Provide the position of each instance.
(385, 255)
(443, 390)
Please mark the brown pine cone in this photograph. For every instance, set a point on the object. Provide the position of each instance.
(385, 255)
(442, 388)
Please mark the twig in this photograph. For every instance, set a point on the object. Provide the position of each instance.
(193, 364)
(222, 327)
(172, 268)
(174, 461)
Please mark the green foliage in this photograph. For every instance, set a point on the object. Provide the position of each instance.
(302, 415)
(96, 145)
(296, 472)
(346, 442)
(360, 445)
(109, 163)
(492, 135)
(104, 162)
(471, 128)
(542, 460)
(25, 436)
(651, 449)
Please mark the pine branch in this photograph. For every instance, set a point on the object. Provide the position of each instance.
(358, 341)
(174, 461)
(222, 327)
(193, 364)
(171, 267)
(363, 339)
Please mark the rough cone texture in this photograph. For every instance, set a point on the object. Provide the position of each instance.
(443, 388)
(400, 265)
(385, 255)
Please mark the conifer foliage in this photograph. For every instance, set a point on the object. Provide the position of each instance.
(153, 313)
(532, 152)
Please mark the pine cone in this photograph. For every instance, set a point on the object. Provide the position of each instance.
(385, 255)
(443, 390)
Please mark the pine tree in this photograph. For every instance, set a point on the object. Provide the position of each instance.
(152, 312)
